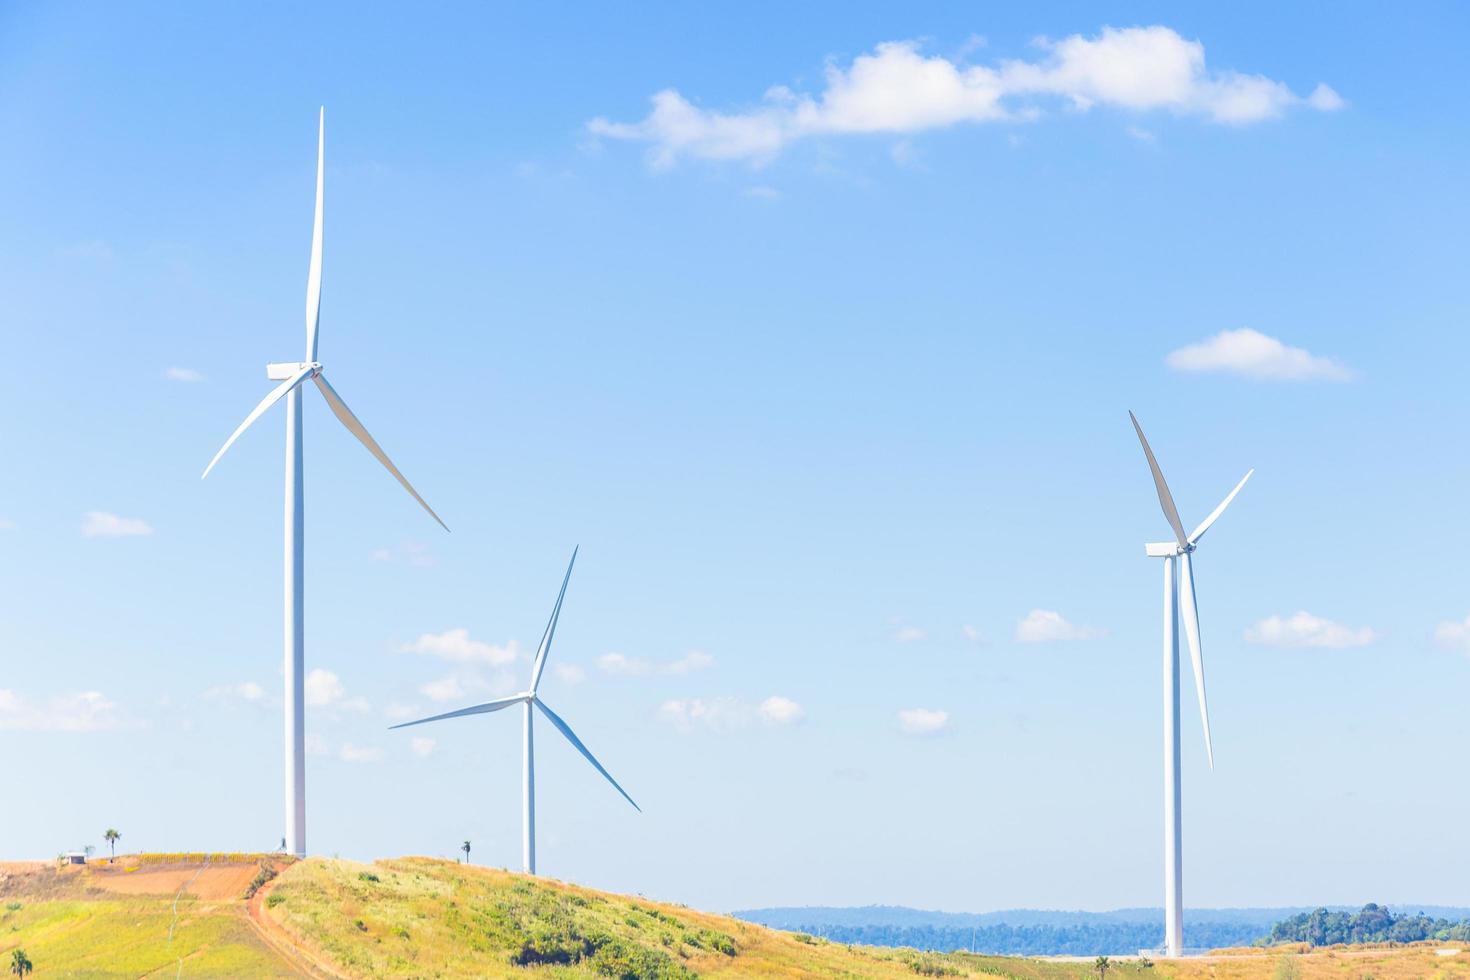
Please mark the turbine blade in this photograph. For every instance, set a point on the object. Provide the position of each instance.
(276, 394)
(546, 638)
(1196, 657)
(1166, 499)
(1199, 532)
(479, 709)
(345, 416)
(314, 274)
(572, 737)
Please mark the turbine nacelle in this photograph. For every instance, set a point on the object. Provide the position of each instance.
(1166, 549)
(286, 370)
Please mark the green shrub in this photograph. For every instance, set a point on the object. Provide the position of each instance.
(266, 873)
(367, 876)
(271, 901)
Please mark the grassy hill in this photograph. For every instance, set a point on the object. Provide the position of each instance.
(187, 915)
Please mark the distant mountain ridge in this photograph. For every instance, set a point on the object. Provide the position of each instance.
(1043, 931)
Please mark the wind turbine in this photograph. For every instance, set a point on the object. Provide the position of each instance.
(527, 699)
(291, 377)
(1178, 590)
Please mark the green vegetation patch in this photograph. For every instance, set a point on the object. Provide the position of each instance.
(130, 937)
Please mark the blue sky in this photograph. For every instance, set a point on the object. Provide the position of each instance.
(829, 383)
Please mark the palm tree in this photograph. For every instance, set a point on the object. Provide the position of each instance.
(111, 837)
(20, 963)
(1102, 966)
(466, 848)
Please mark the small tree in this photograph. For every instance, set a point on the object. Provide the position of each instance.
(466, 848)
(20, 963)
(111, 837)
(1101, 967)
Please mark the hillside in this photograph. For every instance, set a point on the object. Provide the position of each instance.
(187, 915)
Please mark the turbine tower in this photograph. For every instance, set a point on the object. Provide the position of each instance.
(527, 699)
(1178, 592)
(291, 376)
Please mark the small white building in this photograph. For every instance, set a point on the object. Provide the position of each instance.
(76, 857)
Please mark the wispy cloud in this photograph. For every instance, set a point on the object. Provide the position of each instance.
(187, 375)
(244, 691)
(907, 634)
(444, 689)
(729, 714)
(622, 665)
(923, 721)
(1050, 626)
(354, 753)
(1251, 354)
(415, 554)
(569, 673)
(1453, 635)
(689, 663)
(100, 524)
(776, 710)
(324, 689)
(456, 646)
(422, 747)
(898, 90)
(1302, 629)
(84, 711)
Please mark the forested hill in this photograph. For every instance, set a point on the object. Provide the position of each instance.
(1033, 931)
(1372, 924)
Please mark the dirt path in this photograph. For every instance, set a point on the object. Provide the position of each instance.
(280, 942)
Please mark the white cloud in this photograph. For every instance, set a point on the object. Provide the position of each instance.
(908, 634)
(1453, 636)
(323, 689)
(763, 193)
(717, 714)
(245, 691)
(413, 553)
(1302, 629)
(972, 633)
(84, 711)
(354, 753)
(1251, 354)
(923, 721)
(184, 374)
(444, 689)
(1049, 626)
(897, 90)
(100, 524)
(457, 647)
(1324, 99)
(776, 710)
(422, 747)
(621, 665)
(1140, 134)
(397, 711)
(690, 662)
(569, 673)
(6, 524)
(729, 714)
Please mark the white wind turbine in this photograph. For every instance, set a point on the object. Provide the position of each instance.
(1178, 589)
(527, 699)
(291, 376)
